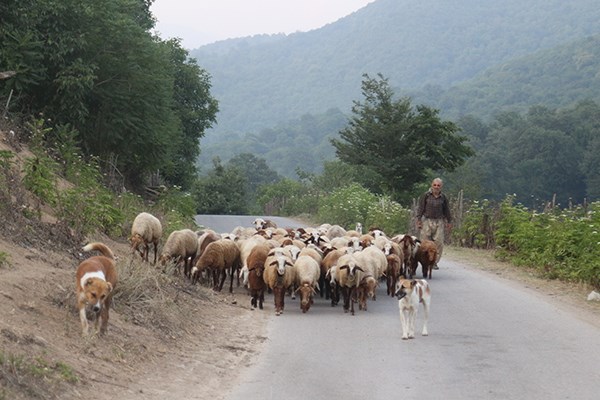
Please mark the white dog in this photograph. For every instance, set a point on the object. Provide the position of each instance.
(410, 293)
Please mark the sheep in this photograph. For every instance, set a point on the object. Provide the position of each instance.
(409, 246)
(329, 286)
(349, 276)
(426, 255)
(307, 277)
(394, 271)
(218, 257)
(260, 223)
(146, 229)
(181, 246)
(256, 267)
(246, 247)
(366, 240)
(374, 263)
(335, 231)
(279, 275)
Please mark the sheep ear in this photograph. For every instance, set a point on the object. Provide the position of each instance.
(359, 268)
(273, 262)
(288, 263)
(344, 267)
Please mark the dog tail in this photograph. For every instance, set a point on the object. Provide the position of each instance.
(101, 247)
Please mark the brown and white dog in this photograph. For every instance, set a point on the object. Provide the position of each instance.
(95, 281)
(410, 293)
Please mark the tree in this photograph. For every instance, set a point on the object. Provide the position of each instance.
(397, 146)
(256, 173)
(222, 191)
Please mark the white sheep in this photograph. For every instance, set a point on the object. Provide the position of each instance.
(279, 275)
(349, 275)
(307, 278)
(375, 264)
(146, 229)
(181, 246)
(335, 231)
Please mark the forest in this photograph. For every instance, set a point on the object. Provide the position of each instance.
(97, 82)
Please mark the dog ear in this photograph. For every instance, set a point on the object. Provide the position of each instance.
(110, 287)
(88, 282)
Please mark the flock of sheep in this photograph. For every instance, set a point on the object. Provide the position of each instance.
(327, 259)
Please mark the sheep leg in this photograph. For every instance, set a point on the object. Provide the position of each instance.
(223, 276)
(261, 299)
(155, 251)
(346, 297)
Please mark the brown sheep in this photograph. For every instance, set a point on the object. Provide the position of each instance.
(256, 267)
(426, 255)
(218, 257)
(393, 272)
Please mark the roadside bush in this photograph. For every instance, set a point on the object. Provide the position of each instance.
(351, 204)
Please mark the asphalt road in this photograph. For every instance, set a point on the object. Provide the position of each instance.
(226, 223)
(488, 339)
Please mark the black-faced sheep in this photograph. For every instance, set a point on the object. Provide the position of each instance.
(146, 229)
(307, 278)
(218, 257)
(181, 246)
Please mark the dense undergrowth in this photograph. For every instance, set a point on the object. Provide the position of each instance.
(559, 243)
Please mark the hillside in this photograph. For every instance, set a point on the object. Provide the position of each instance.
(160, 325)
(261, 81)
(556, 78)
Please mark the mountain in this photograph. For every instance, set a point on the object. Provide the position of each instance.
(556, 78)
(265, 80)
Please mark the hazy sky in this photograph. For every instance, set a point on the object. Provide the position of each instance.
(199, 22)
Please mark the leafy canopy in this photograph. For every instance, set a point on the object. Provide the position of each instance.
(396, 146)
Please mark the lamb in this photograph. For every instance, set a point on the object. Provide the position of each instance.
(181, 246)
(307, 277)
(256, 267)
(146, 229)
(218, 257)
(279, 275)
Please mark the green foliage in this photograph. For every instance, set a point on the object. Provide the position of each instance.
(178, 208)
(222, 191)
(476, 228)
(96, 68)
(397, 146)
(288, 197)
(559, 243)
(440, 42)
(351, 204)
